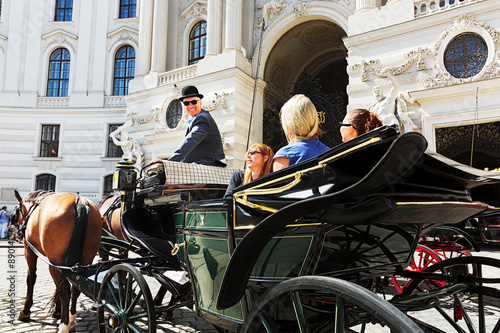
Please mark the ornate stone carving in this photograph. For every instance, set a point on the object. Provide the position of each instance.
(440, 76)
(60, 40)
(132, 150)
(125, 36)
(300, 9)
(415, 56)
(269, 11)
(218, 101)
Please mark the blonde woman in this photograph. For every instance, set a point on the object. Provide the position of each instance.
(299, 120)
(259, 162)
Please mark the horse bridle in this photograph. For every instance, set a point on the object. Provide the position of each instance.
(30, 210)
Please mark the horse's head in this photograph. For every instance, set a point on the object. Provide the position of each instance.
(27, 202)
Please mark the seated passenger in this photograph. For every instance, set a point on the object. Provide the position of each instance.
(357, 122)
(299, 120)
(259, 161)
(202, 142)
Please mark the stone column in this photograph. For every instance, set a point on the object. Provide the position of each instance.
(145, 31)
(362, 5)
(214, 28)
(160, 28)
(234, 11)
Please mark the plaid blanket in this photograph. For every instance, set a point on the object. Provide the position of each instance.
(191, 173)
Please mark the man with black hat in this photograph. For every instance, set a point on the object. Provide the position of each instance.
(202, 142)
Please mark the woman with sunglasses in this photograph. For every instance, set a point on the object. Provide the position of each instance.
(357, 122)
(299, 120)
(259, 161)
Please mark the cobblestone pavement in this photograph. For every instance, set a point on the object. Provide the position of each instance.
(13, 291)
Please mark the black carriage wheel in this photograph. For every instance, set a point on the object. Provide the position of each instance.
(323, 304)
(126, 304)
(470, 306)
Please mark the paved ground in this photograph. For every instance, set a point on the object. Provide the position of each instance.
(13, 289)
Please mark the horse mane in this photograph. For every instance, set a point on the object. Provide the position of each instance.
(33, 196)
(110, 195)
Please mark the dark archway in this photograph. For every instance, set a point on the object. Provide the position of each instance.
(456, 143)
(309, 59)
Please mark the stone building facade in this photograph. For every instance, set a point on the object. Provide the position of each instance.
(439, 59)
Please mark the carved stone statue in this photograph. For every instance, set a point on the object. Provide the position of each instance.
(271, 10)
(131, 149)
(392, 109)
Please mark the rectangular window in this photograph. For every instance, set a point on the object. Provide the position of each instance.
(113, 150)
(127, 8)
(49, 146)
(64, 10)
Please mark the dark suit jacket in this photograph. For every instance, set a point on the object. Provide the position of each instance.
(202, 143)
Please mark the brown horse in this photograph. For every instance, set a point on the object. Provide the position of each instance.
(65, 229)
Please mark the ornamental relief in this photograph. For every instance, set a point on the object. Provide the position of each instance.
(415, 57)
(125, 36)
(464, 23)
(60, 40)
(271, 11)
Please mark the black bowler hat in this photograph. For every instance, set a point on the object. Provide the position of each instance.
(190, 91)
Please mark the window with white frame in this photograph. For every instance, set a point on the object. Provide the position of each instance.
(113, 150)
(58, 80)
(197, 42)
(64, 10)
(124, 70)
(128, 8)
(46, 182)
(49, 143)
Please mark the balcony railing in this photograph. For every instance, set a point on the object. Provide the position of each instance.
(177, 75)
(425, 7)
(110, 101)
(52, 101)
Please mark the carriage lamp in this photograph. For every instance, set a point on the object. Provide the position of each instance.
(124, 177)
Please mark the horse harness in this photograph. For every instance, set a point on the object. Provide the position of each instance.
(108, 214)
(31, 247)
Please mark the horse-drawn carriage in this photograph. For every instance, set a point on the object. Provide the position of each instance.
(295, 250)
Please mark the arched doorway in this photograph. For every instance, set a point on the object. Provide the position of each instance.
(456, 142)
(309, 59)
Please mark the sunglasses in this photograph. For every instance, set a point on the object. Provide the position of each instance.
(191, 102)
(253, 152)
(344, 124)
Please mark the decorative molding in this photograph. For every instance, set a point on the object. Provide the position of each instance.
(219, 101)
(59, 37)
(122, 35)
(195, 10)
(463, 23)
(300, 9)
(415, 56)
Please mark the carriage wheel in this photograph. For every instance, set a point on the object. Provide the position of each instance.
(125, 302)
(470, 309)
(323, 304)
(422, 258)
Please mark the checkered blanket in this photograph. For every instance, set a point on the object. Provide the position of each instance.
(191, 173)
